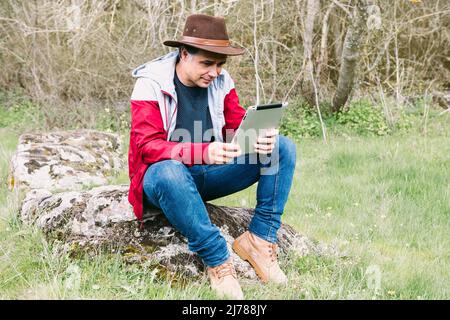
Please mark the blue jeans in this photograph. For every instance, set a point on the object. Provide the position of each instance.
(180, 192)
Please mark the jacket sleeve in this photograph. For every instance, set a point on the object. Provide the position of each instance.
(233, 113)
(147, 132)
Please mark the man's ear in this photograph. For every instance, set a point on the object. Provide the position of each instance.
(184, 54)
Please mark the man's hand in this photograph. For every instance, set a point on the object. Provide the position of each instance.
(266, 143)
(221, 153)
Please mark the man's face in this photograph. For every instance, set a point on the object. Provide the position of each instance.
(201, 68)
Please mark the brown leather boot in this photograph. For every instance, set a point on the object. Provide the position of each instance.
(224, 280)
(262, 255)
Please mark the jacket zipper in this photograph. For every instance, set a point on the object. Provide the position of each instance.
(165, 107)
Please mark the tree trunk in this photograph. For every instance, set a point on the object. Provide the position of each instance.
(350, 55)
(307, 84)
(323, 56)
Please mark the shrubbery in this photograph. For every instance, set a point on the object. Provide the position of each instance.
(17, 111)
(361, 117)
(22, 114)
(300, 120)
(112, 120)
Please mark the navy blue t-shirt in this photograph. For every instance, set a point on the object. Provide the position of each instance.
(193, 111)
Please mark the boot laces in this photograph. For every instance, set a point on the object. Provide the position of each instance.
(273, 252)
(225, 269)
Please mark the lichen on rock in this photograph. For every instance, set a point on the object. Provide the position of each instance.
(65, 160)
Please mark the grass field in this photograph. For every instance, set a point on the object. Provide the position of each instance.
(384, 201)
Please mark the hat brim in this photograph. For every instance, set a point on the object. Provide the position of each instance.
(229, 51)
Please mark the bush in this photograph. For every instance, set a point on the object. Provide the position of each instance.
(363, 118)
(300, 120)
(17, 111)
(406, 123)
(113, 120)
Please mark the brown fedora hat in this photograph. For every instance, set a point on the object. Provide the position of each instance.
(207, 33)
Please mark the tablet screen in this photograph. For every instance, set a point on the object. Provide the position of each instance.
(255, 122)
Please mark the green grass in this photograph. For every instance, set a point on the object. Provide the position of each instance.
(384, 201)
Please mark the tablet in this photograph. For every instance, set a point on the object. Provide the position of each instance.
(256, 121)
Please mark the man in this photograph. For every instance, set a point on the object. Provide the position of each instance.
(183, 107)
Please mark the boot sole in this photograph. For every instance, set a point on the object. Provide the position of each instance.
(244, 256)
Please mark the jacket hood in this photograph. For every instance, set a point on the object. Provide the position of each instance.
(162, 69)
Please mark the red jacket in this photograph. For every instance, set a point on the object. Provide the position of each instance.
(151, 122)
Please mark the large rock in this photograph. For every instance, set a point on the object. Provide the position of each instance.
(65, 160)
(102, 217)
